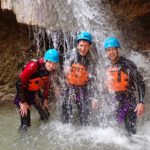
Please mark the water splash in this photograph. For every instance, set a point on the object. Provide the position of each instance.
(142, 62)
(60, 136)
(69, 18)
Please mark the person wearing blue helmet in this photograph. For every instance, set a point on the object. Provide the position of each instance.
(123, 79)
(33, 86)
(77, 68)
(86, 36)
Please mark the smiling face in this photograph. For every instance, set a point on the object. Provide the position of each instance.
(112, 54)
(83, 47)
(50, 65)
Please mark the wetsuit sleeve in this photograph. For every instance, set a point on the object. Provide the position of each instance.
(92, 89)
(51, 87)
(46, 90)
(92, 83)
(29, 70)
(138, 81)
(25, 75)
(69, 59)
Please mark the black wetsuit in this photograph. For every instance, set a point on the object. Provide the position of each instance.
(80, 95)
(127, 99)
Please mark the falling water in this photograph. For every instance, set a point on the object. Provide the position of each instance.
(60, 21)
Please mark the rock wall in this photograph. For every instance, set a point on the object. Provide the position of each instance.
(13, 43)
(134, 18)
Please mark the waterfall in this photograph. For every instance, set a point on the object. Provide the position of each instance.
(73, 16)
(56, 24)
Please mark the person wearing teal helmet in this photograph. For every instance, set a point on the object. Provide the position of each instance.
(77, 76)
(51, 57)
(84, 36)
(33, 86)
(123, 79)
(111, 42)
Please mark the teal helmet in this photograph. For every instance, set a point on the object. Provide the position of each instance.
(52, 55)
(85, 36)
(111, 42)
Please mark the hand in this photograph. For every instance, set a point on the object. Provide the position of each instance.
(67, 70)
(139, 109)
(24, 108)
(45, 105)
(94, 104)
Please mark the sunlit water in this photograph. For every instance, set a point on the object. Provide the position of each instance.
(54, 135)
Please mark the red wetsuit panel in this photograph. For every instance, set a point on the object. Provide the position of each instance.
(29, 70)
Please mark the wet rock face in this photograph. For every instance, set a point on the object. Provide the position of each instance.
(134, 18)
(13, 42)
(130, 9)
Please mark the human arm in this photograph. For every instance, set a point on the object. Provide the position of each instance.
(22, 83)
(140, 86)
(138, 81)
(51, 89)
(46, 103)
(69, 57)
(28, 71)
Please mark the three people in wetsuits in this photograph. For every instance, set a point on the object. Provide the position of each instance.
(122, 78)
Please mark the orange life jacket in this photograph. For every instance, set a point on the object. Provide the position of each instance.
(116, 80)
(37, 83)
(78, 75)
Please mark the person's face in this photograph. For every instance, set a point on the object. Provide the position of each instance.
(83, 47)
(112, 53)
(50, 65)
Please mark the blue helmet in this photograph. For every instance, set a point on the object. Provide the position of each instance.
(84, 36)
(52, 55)
(111, 42)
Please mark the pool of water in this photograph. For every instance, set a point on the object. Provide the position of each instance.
(54, 135)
